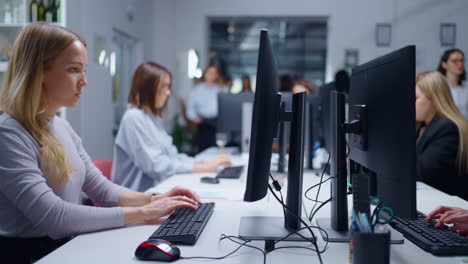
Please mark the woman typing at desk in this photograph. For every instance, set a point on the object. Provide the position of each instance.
(143, 153)
(441, 147)
(43, 165)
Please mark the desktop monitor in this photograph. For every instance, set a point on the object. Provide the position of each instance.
(230, 115)
(267, 114)
(324, 130)
(311, 132)
(386, 150)
(381, 139)
(312, 127)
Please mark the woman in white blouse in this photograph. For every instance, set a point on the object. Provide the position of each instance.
(144, 154)
(202, 107)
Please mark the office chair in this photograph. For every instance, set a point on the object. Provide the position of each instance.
(105, 166)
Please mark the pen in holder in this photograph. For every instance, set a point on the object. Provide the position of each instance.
(370, 247)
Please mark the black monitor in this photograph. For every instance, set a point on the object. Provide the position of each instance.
(324, 130)
(312, 126)
(386, 150)
(381, 138)
(230, 115)
(267, 114)
(283, 131)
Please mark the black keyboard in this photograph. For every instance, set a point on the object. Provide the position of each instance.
(437, 241)
(184, 226)
(230, 172)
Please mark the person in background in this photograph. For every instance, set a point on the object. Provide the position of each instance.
(441, 146)
(456, 217)
(452, 65)
(228, 83)
(286, 83)
(246, 87)
(202, 107)
(144, 154)
(43, 164)
(303, 86)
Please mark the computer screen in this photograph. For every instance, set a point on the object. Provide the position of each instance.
(324, 130)
(312, 127)
(265, 119)
(266, 116)
(386, 86)
(381, 138)
(230, 115)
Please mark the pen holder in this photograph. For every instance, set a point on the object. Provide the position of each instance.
(370, 248)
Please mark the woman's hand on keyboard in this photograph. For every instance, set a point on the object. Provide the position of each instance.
(156, 210)
(454, 216)
(179, 191)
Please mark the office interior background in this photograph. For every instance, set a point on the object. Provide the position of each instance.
(314, 39)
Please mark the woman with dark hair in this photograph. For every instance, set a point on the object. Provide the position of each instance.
(144, 154)
(452, 66)
(246, 86)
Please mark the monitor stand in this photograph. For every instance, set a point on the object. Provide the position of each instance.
(272, 229)
(269, 229)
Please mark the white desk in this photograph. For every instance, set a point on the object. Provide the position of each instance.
(118, 246)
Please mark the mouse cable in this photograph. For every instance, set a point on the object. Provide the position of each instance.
(222, 237)
(314, 238)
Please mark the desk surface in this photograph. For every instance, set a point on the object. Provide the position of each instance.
(118, 245)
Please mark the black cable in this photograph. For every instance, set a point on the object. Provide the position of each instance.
(320, 186)
(312, 213)
(313, 186)
(314, 242)
(305, 238)
(229, 254)
(278, 188)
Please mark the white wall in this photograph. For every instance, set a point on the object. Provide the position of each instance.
(351, 24)
(94, 116)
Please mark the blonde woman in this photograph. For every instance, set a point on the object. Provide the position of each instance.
(441, 148)
(43, 165)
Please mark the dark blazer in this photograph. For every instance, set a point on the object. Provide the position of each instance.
(436, 155)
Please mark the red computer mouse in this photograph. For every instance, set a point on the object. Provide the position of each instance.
(157, 249)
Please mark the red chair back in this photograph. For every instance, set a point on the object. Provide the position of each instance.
(105, 166)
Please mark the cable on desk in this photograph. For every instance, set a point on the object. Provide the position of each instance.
(319, 188)
(314, 241)
(305, 238)
(222, 237)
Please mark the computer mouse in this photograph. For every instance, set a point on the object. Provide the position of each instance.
(207, 179)
(157, 249)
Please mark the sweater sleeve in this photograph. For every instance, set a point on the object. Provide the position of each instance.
(96, 185)
(25, 186)
(147, 154)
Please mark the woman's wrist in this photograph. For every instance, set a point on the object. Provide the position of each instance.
(152, 196)
(134, 215)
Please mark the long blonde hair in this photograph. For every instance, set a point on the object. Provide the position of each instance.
(35, 48)
(435, 87)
